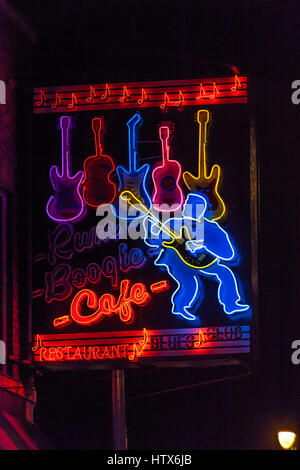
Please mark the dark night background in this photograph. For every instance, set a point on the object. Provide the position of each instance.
(111, 41)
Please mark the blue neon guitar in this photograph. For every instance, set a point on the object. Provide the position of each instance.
(133, 179)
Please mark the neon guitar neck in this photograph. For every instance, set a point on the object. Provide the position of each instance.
(132, 124)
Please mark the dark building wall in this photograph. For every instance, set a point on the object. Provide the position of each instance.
(15, 382)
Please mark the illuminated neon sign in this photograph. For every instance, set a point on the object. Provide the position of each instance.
(104, 288)
(133, 177)
(108, 305)
(66, 205)
(188, 295)
(166, 178)
(64, 278)
(140, 345)
(175, 94)
(204, 183)
(98, 188)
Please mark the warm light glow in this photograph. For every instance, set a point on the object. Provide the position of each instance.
(286, 439)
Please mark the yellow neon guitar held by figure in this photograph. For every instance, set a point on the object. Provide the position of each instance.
(203, 183)
(178, 240)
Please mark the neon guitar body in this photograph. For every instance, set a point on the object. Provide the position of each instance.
(209, 189)
(166, 176)
(98, 188)
(66, 205)
(135, 181)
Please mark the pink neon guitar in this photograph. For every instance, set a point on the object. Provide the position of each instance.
(166, 177)
(67, 204)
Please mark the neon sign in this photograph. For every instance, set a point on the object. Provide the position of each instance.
(166, 177)
(134, 178)
(105, 289)
(188, 295)
(140, 345)
(108, 305)
(206, 184)
(162, 95)
(66, 205)
(98, 188)
(61, 281)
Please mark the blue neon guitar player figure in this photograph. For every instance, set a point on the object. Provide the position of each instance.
(211, 250)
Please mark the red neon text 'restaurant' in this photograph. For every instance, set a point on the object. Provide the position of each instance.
(108, 304)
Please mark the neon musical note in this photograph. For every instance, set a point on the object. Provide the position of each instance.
(180, 102)
(215, 91)
(92, 96)
(201, 339)
(236, 83)
(137, 351)
(42, 100)
(58, 101)
(38, 343)
(165, 104)
(107, 92)
(200, 93)
(126, 95)
(143, 98)
(74, 101)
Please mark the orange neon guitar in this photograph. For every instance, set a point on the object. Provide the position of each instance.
(204, 183)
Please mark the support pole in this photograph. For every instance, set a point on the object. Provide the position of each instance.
(118, 410)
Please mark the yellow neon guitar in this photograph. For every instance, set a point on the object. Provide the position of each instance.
(177, 241)
(204, 183)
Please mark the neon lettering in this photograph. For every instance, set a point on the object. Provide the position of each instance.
(108, 305)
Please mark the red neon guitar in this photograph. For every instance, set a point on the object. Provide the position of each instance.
(98, 189)
(166, 177)
(204, 183)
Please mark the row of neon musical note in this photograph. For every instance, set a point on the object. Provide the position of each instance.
(109, 95)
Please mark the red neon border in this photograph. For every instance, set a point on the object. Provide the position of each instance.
(163, 95)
